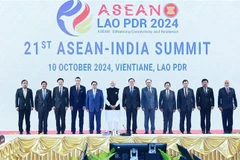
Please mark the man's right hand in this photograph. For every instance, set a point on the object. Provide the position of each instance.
(16, 108)
(178, 110)
(221, 109)
(143, 109)
(199, 108)
(161, 110)
(71, 108)
(53, 108)
(124, 107)
(87, 110)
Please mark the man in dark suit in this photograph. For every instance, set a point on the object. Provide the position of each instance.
(24, 105)
(60, 105)
(227, 103)
(94, 105)
(77, 103)
(131, 103)
(205, 103)
(185, 105)
(167, 105)
(149, 101)
(43, 105)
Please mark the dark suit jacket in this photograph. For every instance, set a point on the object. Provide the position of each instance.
(205, 100)
(145, 98)
(185, 103)
(167, 103)
(58, 100)
(24, 103)
(43, 104)
(131, 101)
(96, 103)
(226, 100)
(77, 100)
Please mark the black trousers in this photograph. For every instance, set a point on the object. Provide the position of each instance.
(185, 114)
(227, 120)
(80, 112)
(167, 120)
(205, 114)
(60, 115)
(131, 115)
(43, 121)
(21, 114)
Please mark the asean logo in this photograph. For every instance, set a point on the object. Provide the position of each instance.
(74, 18)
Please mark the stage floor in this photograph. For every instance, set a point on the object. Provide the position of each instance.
(64, 147)
(122, 131)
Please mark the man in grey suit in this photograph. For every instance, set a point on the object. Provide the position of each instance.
(167, 105)
(149, 105)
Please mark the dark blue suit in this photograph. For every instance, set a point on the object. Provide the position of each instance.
(94, 105)
(43, 106)
(167, 103)
(185, 103)
(77, 101)
(226, 100)
(149, 104)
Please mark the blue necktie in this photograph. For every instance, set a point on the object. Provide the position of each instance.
(131, 90)
(94, 94)
(43, 94)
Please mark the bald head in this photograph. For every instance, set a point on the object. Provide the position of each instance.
(226, 83)
(112, 83)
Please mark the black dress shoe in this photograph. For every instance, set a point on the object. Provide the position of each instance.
(189, 133)
(208, 132)
(63, 133)
(170, 132)
(146, 132)
(91, 132)
(153, 132)
(28, 133)
(80, 132)
(73, 132)
(21, 133)
(58, 132)
(98, 132)
(164, 132)
(134, 132)
(45, 133)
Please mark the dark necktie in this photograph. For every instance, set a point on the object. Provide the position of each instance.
(186, 92)
(60, 91)
(149, 89)
(131, 90)
(227, 90)
(78, 90)
(205, 91)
